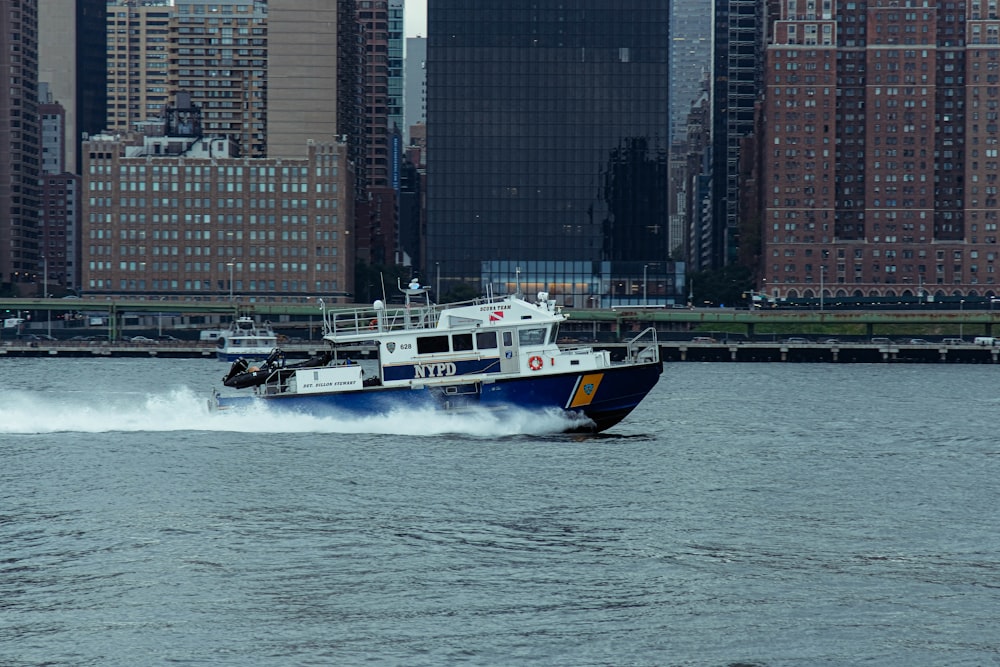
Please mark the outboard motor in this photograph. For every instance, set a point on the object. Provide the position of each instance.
(276, 359)
(239, 366)
(242, 374)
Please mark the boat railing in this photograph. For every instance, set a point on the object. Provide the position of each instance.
(368, 320)
(643, 348)
(277, 382)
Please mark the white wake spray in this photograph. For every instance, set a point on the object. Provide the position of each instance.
(27, 412)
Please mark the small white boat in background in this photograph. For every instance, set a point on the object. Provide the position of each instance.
(246, 339)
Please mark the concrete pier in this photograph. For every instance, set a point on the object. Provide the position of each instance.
(670, 351)
(861, 352)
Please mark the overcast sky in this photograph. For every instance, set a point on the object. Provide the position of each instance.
(415, 18)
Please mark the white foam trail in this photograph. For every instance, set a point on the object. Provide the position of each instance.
(185, 410)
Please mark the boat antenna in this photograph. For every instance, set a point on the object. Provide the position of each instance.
(381, 277)
(517, 281)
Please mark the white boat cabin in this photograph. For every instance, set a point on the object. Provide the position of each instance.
(422, 343)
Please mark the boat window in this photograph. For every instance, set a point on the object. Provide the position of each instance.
(508, 340)
(432, 344)
(486, 340)
(461, 342)
(531, 336)
(554, 334)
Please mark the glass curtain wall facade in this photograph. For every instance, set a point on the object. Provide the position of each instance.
(548, 133)
(738, 81)
(589, 284)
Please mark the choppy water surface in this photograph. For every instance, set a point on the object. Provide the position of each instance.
(770, 514)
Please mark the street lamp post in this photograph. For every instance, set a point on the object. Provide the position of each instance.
(437, 285)
(822, 272)
(644, 292)
(45, 292)
(961, 319)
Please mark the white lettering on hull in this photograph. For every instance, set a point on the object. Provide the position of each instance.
(439, 370)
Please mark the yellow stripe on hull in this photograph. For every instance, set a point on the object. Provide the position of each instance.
(586, 390)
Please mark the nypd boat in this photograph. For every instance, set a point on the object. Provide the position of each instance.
(493, 353)
(246, 339)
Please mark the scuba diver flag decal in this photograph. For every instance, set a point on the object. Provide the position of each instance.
(496, 316)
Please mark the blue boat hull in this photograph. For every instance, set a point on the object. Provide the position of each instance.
(604, 397)
(242, 354)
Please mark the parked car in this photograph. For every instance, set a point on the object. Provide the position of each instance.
(953, 341)
(830, 341)
(703, 339)
(881, 341)
(141, 339)
(168, 339)
(917, 341)
(796, 340)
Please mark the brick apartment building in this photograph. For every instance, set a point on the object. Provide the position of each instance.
(179, 216)
(879, 157)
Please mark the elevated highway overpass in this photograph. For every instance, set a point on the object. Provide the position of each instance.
(623, 319)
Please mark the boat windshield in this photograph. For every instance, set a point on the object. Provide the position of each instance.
(531, 336)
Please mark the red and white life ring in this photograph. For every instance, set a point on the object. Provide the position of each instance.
(535, 363)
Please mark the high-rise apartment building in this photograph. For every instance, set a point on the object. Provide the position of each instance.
(303, 91)
(20, 150)
(59, 203)
(373, 19)
(215, 52)
(72, 59)
(380, 27)
(218, 54)
(880, 163)
(394, 64)
(690, 58)
(138, 50)
(548, 135)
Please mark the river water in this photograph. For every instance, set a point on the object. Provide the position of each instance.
(745, 514)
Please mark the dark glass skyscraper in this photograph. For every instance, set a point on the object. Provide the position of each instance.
(737, 83)
(547, 133)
